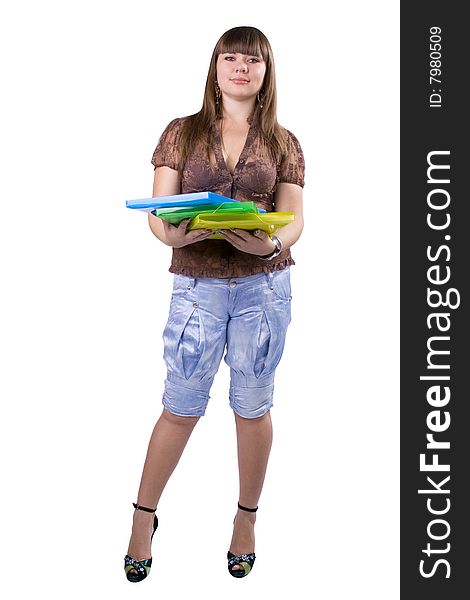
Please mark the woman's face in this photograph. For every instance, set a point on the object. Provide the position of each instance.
(239, 75)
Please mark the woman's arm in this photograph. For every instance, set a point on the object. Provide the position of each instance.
(289, 198)
(167, 182)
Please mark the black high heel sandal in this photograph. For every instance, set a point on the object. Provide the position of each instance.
(141, 567)
(246, 561)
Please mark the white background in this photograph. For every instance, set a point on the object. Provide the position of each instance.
(88, 87)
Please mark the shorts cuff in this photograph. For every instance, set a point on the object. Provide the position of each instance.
(251, 403)
(185, 400)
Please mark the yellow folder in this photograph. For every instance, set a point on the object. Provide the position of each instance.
(269, 222)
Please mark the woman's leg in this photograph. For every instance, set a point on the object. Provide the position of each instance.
(168, 440)
(254, 440)
(255, 343)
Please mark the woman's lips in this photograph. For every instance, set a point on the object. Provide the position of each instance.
(239, 81)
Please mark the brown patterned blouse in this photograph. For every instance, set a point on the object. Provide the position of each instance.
(255, 177)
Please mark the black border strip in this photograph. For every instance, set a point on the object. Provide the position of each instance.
(435, 252)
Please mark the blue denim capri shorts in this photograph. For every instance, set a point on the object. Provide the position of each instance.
(246, 316)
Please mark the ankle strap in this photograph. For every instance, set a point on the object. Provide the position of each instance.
(247, 509)
(140, 507)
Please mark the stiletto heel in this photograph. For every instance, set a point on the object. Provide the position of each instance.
(142, 567)
(246, 561)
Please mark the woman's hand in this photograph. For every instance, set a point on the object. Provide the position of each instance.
(178, 236)
(255, 242)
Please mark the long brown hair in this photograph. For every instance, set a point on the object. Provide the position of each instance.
(198, 127)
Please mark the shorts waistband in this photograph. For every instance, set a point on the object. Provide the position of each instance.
(240, 281)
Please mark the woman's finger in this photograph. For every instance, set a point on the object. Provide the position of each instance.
(240, 234)
(183, 224)
(198, 233)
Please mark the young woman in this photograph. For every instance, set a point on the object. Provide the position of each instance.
(231, 294)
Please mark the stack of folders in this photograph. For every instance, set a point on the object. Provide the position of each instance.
(212, 211)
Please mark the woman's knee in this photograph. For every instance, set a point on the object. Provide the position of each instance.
(179, 420)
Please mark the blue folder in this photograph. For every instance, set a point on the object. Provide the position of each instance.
(150, 204)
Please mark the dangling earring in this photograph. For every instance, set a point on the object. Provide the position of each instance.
(217, 94)
(260, 100)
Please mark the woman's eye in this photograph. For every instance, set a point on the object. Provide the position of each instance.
(252, 59)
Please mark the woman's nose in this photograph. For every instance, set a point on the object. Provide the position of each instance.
(241, 66)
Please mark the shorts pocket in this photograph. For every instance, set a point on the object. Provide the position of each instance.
(270, 341)
(190, 345)
(182, 286)
(281, 287)
(262, 346)
(183, 337)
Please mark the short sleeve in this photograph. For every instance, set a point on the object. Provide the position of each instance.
(166, 152)
(292, 167)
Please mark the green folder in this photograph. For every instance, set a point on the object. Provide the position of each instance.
(176, 215)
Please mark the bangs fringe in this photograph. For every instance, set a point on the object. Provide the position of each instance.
(246, 40)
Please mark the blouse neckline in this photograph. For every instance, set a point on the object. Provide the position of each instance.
(243, 153)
